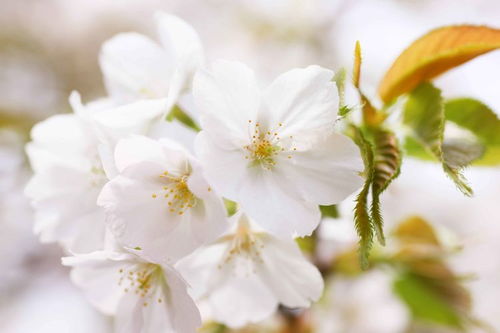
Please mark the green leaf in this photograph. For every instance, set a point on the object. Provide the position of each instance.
(424, 114)
(306, 244)
(476, 117)
(459, 153)
(490, 157)
(413, 148)
(424, 303)
(231, 207)
(329, 211)
(213, 327)
(344, 110)
(183, 117)
(387, 162)
(481, 121)
(362, 219)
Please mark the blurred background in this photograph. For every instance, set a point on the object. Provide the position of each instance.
(50, 47)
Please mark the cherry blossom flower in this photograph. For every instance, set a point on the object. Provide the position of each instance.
(275, 151)
(247, 273)
(160, 202)
(143, 296)
(136, 67)
(68, 176)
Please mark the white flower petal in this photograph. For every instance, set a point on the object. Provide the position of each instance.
(129, 316)
(208, 219)
(267, 198)
(178, 37)
(168, 154)
(225, 169)
(135, 149)
(134, 118)
(184, 314)
(243, 300)
(135, 67)
(295, 281)
(328, 173)
(65, 208)
(174, 130)
(303, 100)
(183, 43)
(114, 124)
(227, 97)
(198, 267)
(106, 154)
(99, 277)
(60, 139)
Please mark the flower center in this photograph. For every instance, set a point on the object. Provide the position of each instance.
(244, 244)
(141, 280)
(265, 147)
(176, 192)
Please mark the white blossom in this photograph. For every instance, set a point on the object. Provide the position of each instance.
(136, 67)
(68, 176)
(160, 201)
(275, 151)
(247, 273)
(143, 296)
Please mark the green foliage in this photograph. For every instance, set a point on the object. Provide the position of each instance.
(362, 219)
(183, 117)
(490, 157)
(413, 148)
(387, 162)
(213, 327)
(459, 153)
(476, 117)
(231, 207)
(424, 303)
(480, 120)
(424, 114)
(307, 244)
(382, 159)
(364, 225)
(430, 289)
(329, 211)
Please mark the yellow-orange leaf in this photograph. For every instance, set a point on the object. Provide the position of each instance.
(435, 53)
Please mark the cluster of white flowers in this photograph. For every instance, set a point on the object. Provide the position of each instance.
(138, 201)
